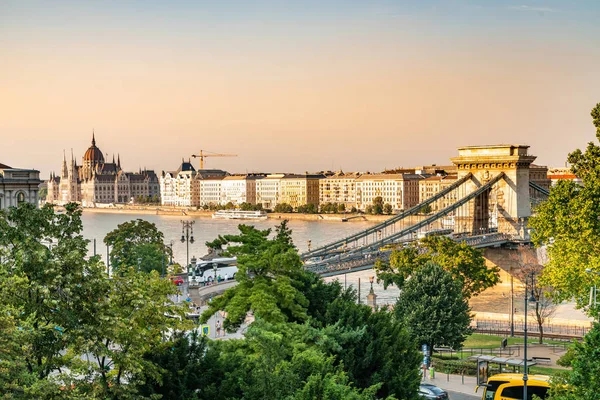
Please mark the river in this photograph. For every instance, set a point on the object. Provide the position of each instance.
(97, 225)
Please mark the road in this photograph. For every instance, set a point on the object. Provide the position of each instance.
(462, 396)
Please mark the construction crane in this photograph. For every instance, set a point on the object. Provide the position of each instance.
(211, 154)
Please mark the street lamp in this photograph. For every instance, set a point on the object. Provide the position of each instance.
(187, 236)
(593, 290)
(527, 299)
(139, 261)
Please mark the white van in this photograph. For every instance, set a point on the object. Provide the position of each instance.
(204, 271)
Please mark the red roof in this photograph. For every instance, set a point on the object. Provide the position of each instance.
(4, 166)
(562, 176)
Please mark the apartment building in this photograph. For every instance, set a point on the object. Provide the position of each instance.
(401, 191)
(430, 186)
(339, 188)
(268, 191)
(238, 189)
(298, 190)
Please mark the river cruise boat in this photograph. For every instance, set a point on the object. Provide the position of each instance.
(238, 214)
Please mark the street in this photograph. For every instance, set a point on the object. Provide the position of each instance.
(462, 396)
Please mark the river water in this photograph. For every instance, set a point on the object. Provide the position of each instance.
(97, 225)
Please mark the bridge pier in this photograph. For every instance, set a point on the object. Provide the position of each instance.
(506, 206)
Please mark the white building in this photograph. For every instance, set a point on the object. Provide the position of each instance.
(268, 191)
(177, 188)
(210, 191)
(18, 186)
(238, 189)
(401, 191)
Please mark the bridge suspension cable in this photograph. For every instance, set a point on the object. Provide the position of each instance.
(381, 226)
(413, 228)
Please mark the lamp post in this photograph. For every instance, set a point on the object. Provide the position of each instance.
(139, 262)
(593, 289)
(187, 236)
(372, 297)
(532, 298)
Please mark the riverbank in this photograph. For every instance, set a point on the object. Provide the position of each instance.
(159, 210)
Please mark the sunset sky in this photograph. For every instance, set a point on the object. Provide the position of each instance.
(295, 86)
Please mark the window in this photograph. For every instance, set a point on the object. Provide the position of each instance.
(20, 197)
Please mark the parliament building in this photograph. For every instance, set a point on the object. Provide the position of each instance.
(97, 182)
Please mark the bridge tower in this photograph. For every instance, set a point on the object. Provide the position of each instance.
(506, 206)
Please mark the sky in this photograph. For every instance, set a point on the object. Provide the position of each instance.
(295, 86)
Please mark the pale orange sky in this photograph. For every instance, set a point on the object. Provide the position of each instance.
(357, 90)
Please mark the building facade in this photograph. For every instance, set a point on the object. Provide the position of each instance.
(238, 189)
(339, 188)
(268, 191)
(186, 187)
(299, 190)
(401, 191)
(18, 185)
(96, 182)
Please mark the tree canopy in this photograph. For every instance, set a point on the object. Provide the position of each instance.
(137, 243)
(569, 224)
(433, 308)
(270, 276)
(465, 264)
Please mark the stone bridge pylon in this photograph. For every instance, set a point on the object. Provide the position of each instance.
(506, 206)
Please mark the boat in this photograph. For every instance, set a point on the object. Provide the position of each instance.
(238, 214)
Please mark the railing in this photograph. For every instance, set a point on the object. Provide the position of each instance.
(502, 327)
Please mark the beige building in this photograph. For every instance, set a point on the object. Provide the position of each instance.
(268, 191)
(432, 185)
(299, 190)
(18, 185)
(339, 188)
(210, 191)
(401, 191)
(97, 181)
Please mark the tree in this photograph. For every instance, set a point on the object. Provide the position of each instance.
(353, 210)
(465, 263)
(387, 208)
(307, 209)
(246, 207)
(378, 205)
(434, 309)
(369, 209)
(137, 243)
(569, 224)
(529, 266)
(131, 318)
(283, 208)
(426, 209)
(582, 382)
(48, 285)
(269, 276)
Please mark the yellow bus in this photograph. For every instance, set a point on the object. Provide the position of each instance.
(510, 387)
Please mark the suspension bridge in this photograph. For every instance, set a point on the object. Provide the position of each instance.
(487, 206)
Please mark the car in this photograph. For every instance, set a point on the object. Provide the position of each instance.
(177, 280)
(428, 391)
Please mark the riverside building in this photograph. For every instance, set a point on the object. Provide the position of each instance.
(96, 182)
(18, 185)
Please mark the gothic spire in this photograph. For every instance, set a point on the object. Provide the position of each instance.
(119, 160)
(93, 137)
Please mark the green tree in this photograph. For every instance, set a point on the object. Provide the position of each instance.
(369, 209)
(465, 263)
(353, 210)
(131, 318)
(137, 243)
(307, 209)
(426, 209)
(246, 207)
(581, 383)
(433, 307)
(269, 276)
(283, 208)
(569, 224)
(378, 205)
(387, 208)
(374, 348)
(43, 193)
(48, 286)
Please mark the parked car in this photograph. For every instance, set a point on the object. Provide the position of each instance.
(177, 280)
(428, 391)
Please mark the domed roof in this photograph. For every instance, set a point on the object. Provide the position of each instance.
(93, 153)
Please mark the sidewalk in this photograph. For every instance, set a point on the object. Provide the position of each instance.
(454, 383)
